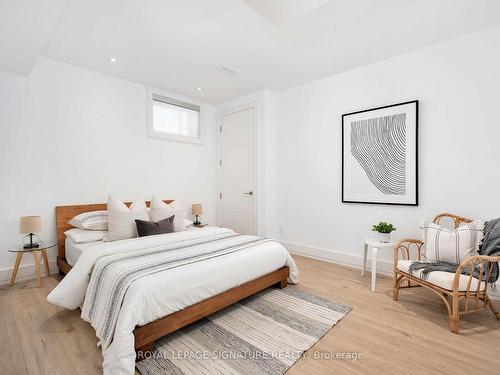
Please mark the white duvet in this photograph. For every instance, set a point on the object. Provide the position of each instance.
(164, 293)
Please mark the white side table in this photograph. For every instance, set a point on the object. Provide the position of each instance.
(375, 245)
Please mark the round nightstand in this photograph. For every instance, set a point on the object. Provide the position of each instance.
(375, 245)
(40, 251)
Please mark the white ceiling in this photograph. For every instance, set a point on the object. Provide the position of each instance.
(284, 11)
(25, 27)
(179, 44)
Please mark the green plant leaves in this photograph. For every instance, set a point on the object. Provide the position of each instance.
(383, 227)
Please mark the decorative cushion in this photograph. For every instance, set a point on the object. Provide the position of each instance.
(150, 228)
(93, 220)
(159, 210)
(440, 278)
(78, 235)
(453, 246)
(121, 219)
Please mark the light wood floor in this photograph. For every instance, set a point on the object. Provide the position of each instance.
(410, 336)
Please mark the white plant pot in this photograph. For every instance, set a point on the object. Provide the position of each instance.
(384, 237)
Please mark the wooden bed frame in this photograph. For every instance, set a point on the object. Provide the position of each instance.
(146, 335)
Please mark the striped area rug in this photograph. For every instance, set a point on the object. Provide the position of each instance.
(263, 334)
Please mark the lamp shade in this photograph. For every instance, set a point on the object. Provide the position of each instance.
(196, 209)
(30, 224)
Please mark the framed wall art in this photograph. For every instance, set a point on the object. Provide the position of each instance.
(380, 155)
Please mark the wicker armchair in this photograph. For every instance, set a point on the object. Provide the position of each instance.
(461, 294)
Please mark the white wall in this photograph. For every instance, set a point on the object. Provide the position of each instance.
(70, 135)
(458, 86)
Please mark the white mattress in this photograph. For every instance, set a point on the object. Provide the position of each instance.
(74, 250)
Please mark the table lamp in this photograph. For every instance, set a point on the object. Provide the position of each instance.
(30, 225)
(196, 210)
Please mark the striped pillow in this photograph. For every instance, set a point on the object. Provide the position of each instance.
(93, 220)
(452, 246)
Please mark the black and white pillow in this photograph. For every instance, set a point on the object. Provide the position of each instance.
(452, 246)
(93, 220)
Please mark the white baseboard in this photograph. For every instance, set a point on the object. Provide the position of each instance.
(337, 257)
(355, 261)
(27, 272)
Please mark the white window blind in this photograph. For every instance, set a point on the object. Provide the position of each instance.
(174, 119)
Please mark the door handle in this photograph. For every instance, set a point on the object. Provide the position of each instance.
(249, 193)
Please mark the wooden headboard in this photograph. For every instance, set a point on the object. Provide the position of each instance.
(66, 213)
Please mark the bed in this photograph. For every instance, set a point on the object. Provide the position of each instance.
(163, 301)
(73, 250)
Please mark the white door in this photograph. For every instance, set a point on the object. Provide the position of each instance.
(237, 171)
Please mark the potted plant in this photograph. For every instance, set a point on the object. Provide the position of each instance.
(384, 231)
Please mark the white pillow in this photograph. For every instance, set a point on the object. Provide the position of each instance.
(78, 235)
(121, 219)
(93, 220)
(186, 223)
(453, 246)
(159, 210)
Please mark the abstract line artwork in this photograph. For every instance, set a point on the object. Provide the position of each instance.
(379, 145)
(379, 155)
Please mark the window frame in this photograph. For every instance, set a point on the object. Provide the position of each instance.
(172, 99)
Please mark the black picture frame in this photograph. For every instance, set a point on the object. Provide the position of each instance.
(416, 201)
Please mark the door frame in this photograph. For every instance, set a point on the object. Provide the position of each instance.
(256, 197)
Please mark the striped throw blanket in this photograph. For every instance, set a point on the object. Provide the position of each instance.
(113, 274)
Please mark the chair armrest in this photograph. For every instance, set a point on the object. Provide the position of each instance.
(406, 245)
(483, 264)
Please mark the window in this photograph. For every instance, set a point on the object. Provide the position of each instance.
(174, 119)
